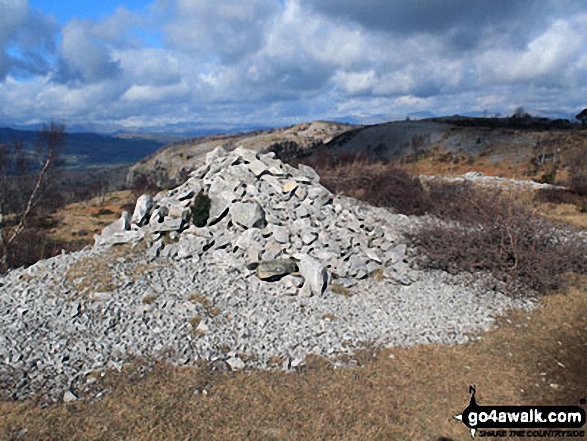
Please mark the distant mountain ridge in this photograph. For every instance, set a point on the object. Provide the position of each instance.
(84, 150)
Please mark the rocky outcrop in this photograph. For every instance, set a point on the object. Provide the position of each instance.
(269, 217)
(171, 164)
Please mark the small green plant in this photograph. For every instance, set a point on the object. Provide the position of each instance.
(200, 210)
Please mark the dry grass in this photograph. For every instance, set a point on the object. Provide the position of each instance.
(566, 213)
(100, 273)
(82, 220)
(437, 164)
(410, 396)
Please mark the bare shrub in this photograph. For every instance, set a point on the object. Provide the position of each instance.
(379, 185)
(558, 196)
(578, 170)
(485, 230)
(14, 163)
(144, 184)
(34, 245)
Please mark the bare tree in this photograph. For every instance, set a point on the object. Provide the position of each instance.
(51, 140)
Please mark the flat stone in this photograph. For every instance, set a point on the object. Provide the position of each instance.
(155, 249)
(168, 224)
(396, 254)
(273, 250)
(289, 186)
(191, 246)
(257, 167)
(318, 195)
(307, 174)
(273, 182)
(220, 203)
(69, 397)
(272, 270)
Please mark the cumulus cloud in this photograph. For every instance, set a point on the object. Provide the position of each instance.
(26, 39)
(546, 58)
(84, 56)
(281, 61)
(228, 30)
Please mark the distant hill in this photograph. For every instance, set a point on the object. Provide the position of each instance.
(83, 150)
(168, 166)
(514, 138)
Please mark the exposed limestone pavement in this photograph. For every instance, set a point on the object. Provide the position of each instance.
(250, 263)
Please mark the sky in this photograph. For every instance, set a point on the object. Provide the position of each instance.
(164, 65)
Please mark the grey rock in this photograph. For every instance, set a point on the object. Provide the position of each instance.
(119, 226)
(215, 154)
(118, 233)
(272, 250)
(318, 195)
(272, 270)
(307, 175)
(396, 254)
(248, 214)
(279, 233)
(235, 363)
(314, 274)
(155, 249)
(257, 167)
(189, 246)
(69, 397)
(142, 210)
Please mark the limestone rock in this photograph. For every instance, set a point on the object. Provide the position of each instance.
(314, 274)
(248, 214)
(142, 210)
(235, 363)
(118, 232)
(69, 397)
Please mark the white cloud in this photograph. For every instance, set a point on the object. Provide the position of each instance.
(28, 35)
(154, 94)
(551, 53)
(228, 30)
(84, 54)
(280, 61)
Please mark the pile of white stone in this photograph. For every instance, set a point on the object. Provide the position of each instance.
(281, 269)
(265, 214)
